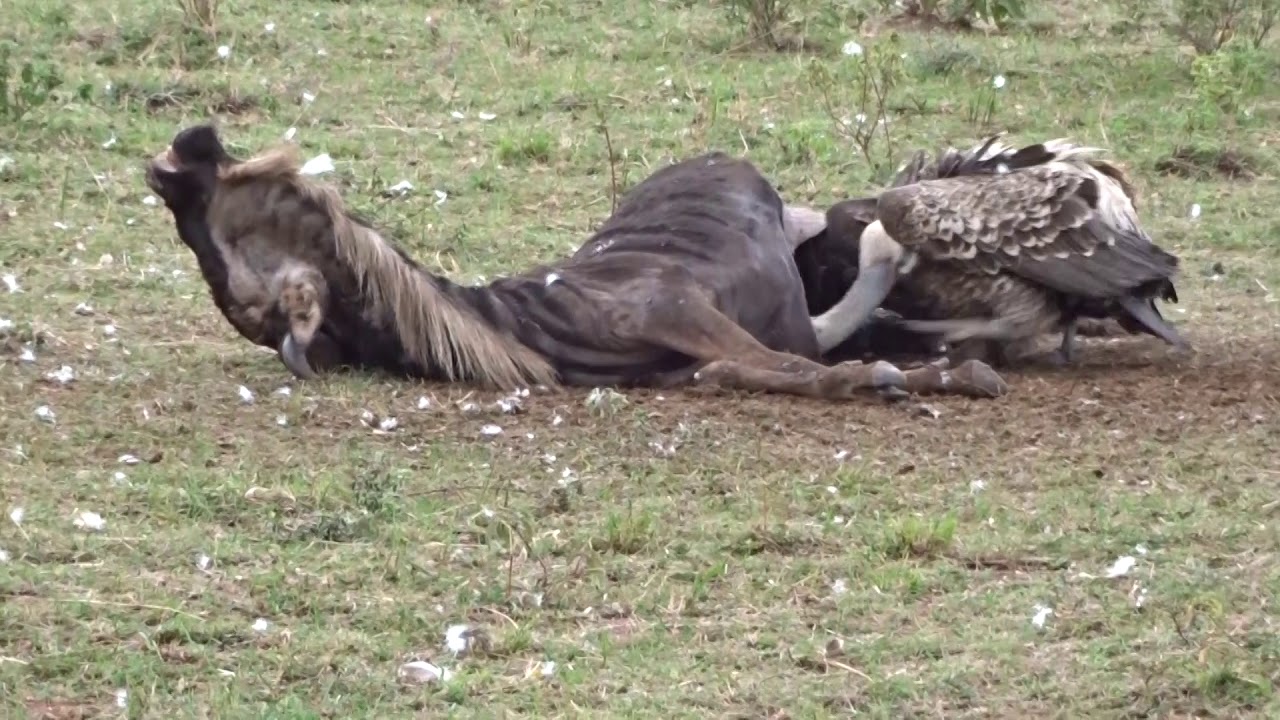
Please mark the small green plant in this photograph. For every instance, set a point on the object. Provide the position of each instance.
(873, 73)
(1209, 25)
(27, 89)
(1223, 80)
(200, 13)
(999, 13)
(766, 21)
(984, 104)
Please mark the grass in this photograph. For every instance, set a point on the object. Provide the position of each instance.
(679, 554)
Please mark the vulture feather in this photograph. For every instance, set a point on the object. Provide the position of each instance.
(993, 247)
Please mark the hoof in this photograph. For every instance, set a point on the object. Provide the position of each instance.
(887, 375)
(976, 378)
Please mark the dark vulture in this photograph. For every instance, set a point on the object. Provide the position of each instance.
(991, 248)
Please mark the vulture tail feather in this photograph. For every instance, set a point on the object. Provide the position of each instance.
(1144, 311)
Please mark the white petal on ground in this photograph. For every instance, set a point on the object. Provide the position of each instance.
(90, 521)
(1121, 566)
(63, 375)
(1042, 614)
(317, 165)
(456, 638)
(421, 671)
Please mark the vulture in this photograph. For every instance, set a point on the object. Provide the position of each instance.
(991, 248)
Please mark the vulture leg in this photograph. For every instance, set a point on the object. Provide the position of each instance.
(300, 293)
(878, 260)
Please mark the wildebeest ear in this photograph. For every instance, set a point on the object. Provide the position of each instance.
(851, 217)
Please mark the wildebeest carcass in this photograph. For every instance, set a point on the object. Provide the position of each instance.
(993, 247)
(691, 279)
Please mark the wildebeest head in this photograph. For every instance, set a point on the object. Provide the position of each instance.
(186, 173)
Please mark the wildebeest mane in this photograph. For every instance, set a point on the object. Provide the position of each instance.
(435, 329)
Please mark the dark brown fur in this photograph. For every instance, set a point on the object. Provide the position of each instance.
(691, 279)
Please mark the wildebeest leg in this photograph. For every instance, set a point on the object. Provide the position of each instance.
(691, 325)
(301, 293)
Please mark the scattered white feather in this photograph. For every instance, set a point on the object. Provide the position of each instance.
(150, 200)
(246, 395)
(551, 278)
(284, 391)
(1121, 566)
(1140, 549)
(290, 134)
(1042, 614)
(89, 521)
(457, 115)
(269, 28)
(401, 188)
(44, 413)
(119, 479)
(457, 638)
(16, 515)
(424, 402)
(317, 165)
(840, 455)
(441, 196)
(83, 309)
(4, 555)
(832, 489)
(5, 324)
(1195, 211)
(109, 142)
(422, 672)
(308, 98)
(387, 424)
(852, 48)
(998, 82)
(282, 421)
(128, 459)
(548, 668)
(61, 225)
(839, 587)
(321, 52)
(976, 486)
(122, 698)
(224, 52)
(204, 562)
(486, 116)
(6, 162)
(261, 625)
(64, 375)
(491, 430)
(556, 420)
(109, 330)
(11, 283)
(26, 356)
(605, 399)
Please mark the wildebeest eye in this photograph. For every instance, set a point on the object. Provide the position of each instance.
(199, 145)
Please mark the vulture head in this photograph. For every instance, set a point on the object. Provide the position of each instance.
(186, 173)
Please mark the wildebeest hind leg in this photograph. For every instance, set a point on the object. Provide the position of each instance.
(301, 293)
(688, 323)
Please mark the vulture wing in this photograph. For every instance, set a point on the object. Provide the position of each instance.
(1052, 223)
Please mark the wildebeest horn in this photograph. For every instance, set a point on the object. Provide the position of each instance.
(295, 358)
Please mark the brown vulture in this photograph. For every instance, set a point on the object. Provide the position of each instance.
(993, 247)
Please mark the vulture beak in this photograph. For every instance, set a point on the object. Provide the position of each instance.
(879, 257)
(295, 358)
